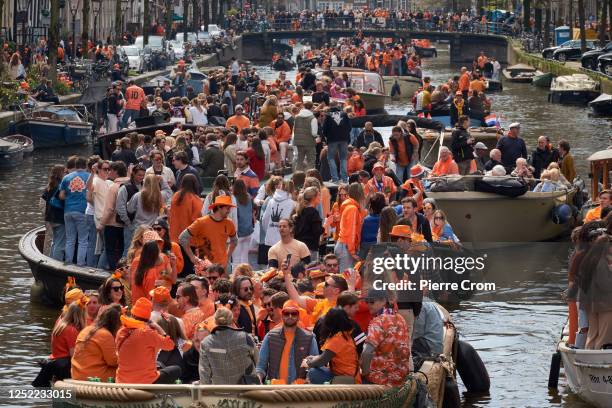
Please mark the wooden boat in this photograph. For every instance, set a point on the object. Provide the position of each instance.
(521, 73)
(576, 89)
(588, 373)
(488, 220)
(26, 142)
(543, 80)
(602, 105)
(55, 126)
(407, 85)
(368, 85)
(11, 154)
(431, 141)
(433, 373)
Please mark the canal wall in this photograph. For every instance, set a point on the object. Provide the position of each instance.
(517, 55)
(220, 58)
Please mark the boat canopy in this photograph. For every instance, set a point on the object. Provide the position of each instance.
(361, 81)
(601, 155)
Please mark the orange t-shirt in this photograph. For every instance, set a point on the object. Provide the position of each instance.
(134, 95)
(184, 214)
(593, 214)
(61, 344)
(240, 122)
(211, 236)
(191, 319)
(355, 163)
(148, 282)
(345, 360)
(281, 133)
(401, 155)
(445, 168)
(95, 358)
(283, 371)
(137, 354)
(464, 82)
(207, 306)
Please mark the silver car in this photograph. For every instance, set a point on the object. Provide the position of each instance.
(136, 58)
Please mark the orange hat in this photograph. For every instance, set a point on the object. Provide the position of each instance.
(24, 85)
(416, 170)
(319, 289)
(291, 305)
(151, 235)
(222, 200)
(160, 294)
(317, 273)
(269, 275)
(73, 295)
(403, 231)
(141, 313)
(378, 165)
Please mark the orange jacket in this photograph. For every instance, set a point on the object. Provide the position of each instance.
(387, 187)
(137, 354)
(351, 219)
(281, 133)
(464, 82)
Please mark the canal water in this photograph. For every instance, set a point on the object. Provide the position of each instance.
(514, 328)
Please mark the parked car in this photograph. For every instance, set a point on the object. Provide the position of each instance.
(178, 49)
(191, 38)
(547, 53)
(215, 31)
(605, 63)
(135, 57)
(589, 58)
(573, 52)
(156, 42)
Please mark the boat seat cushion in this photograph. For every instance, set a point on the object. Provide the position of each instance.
(450, 184)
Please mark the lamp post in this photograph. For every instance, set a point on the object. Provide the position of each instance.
(125, 4)
(97, 8)
(74, 9)
(20, 16)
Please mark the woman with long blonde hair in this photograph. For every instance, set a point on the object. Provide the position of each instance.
(149, 203)
(137, 243)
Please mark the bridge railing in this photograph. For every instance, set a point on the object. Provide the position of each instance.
(298, 24)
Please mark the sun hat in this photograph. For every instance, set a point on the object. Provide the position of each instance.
(222, 200)
(403, 231)
(140, 314)
(416, 170)
(481, 146)
(514, 125)
(151, 235)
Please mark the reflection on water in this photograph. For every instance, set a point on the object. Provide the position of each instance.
(514, 328)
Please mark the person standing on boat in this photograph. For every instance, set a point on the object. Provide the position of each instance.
(114, 105)
(284, 348)
(404, 148)
(305, 137)
(126, 192)
(462, 146)
(541, 157)
(73, 190)
(134, 96)
(337, 133)
(379, 183)
(512, 146)
(464, 82)
(566, 162)
(367, 136)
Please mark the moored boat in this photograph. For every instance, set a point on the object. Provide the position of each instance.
(424, 49)
(543, 80)
(488, 219)
(602, 105)
(401, 87)
(588, 373)
(11, 154)
(368, 85)
(577, 89)
(26, 142)
(521, 73)
(55, 126)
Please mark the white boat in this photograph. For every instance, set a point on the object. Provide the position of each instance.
(521, 73)
(573, 89)
(407, 86)
(588, 373)
(368, 85)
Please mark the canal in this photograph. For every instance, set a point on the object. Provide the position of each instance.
(514, 328)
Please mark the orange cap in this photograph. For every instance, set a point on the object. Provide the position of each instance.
(160, 294)
(317, 273)
(401, 231)
(291, 305)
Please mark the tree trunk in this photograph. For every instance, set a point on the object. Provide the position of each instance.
(221, 12)
(581, 21)
(169, 19)
(185, 15)
(538, 19)
(213, 10)
(603, 23)
(547, 17)
(570, 17)
(526, 14)
(85, 32)
(146, 23)
(206, 14)
(196, 16)
(54, 34)
(118, 21)
(1, 58)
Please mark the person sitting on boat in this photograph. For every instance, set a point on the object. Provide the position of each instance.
(138, 343)
(320, 96)
(386, 355)
(445, 166)
(95, 352)
(438, 97)
(523, 171)
(605, 200)
(549, 182)
(339, 350)
(428, 333)
(63, 341)
(284, 347)
(442, 230)
(481, 156)
(380, 183)
(228, 354)
(494, 159)
(512, 146)
(476, 107)
(44, 92)
(478, 84)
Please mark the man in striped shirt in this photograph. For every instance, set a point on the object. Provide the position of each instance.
(244, 172)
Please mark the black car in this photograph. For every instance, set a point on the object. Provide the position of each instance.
(589, 58)
(547, 53)
(573, 51)
(605, 63)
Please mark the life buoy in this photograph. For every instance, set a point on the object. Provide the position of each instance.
(471, 369)
(561, 214)
(555, 366)
(452, 398)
